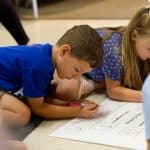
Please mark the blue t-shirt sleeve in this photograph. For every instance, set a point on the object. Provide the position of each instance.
(36, 83)
(146, 106)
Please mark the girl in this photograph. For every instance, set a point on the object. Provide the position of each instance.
(126, 63)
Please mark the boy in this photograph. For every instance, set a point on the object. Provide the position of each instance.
(32, 67)
(146, 108)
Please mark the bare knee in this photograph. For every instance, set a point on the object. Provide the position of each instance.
(24, 116)
(67, 89)
(15, 112)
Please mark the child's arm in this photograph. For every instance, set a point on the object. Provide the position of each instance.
(118, 92)
(50, 111)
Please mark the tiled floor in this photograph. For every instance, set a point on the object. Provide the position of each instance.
(41, 31)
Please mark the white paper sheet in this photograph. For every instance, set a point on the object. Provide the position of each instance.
(118, 124)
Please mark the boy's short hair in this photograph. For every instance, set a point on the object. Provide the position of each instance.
(85, 42)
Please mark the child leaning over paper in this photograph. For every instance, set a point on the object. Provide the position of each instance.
(125, 63)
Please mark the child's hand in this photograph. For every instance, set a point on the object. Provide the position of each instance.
(87, 102)
(88, 111)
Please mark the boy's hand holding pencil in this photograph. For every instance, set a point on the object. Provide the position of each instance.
(88, 109)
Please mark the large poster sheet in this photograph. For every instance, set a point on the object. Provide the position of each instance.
(118, 124)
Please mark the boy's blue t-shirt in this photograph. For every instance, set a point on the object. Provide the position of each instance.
(27, 67)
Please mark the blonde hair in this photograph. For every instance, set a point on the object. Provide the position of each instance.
(135, 70)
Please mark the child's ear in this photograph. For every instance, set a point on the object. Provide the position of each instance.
(134, 35)
(65, 49)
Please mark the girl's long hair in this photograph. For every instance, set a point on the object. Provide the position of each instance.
(135, 70)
